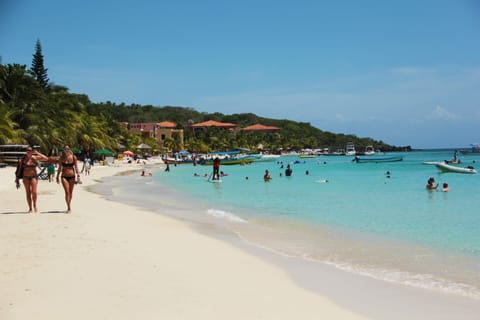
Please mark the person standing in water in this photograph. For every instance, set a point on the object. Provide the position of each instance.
(431, 184)
(267, 176)
(216, 169)
(288, 171)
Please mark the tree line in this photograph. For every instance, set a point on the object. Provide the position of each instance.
(35, 111)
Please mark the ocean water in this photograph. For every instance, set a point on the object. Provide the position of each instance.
(353, 216)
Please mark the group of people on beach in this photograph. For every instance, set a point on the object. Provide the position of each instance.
(27, 172)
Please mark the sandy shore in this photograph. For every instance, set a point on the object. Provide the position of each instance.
(112, 261)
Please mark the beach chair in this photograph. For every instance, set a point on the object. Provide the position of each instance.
(43, 175)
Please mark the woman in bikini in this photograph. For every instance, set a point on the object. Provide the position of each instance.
(68, 168)
(30, 180)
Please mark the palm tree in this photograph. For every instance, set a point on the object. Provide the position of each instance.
(8, 134)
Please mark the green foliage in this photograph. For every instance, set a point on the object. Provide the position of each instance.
(38, 69)
(31, 115)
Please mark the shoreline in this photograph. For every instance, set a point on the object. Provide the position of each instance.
(109, 260)
(423, 302)
(300, 289)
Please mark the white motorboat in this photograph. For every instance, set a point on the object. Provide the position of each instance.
(350, 149)
(369, 151)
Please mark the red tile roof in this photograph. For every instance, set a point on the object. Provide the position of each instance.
(167, 124)
(261, 127)
(212, 123)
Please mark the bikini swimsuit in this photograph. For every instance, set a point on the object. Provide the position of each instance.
(68, 165)
(30, 166)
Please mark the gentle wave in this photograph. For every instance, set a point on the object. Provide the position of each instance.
(424, 281)
(225, 215)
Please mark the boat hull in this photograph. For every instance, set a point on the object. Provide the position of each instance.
(227, 162)
(378, 160)
(448, 168)
(179, 161)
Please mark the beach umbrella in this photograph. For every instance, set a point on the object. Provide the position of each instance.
(104, 152)
(143, 146)
(128, 153)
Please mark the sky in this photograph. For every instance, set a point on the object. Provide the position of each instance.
(403, 72)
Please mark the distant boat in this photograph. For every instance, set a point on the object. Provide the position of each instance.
(307, 155)
(448, 168)
(178, 161)
(369, 151)
(474, 149)
(377, 159)
(229, 161)
(338, 152)
(350, 149)
(267, 157)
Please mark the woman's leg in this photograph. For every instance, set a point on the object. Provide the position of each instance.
(70, 194)
(33, 186)
(66, 187)
(28, 191)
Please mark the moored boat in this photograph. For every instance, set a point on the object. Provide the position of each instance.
(306, 155)
(377, 159)
(229, 161)
(268, 157)
(369, 151)
(178, 161)
(350, 149)
(444, 167)
(475, 149)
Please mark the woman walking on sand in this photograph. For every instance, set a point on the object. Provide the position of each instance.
(27, 171)
(68, 168)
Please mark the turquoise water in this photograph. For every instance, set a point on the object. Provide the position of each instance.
(353, 216)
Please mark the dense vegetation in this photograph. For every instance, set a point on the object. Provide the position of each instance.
(36, 112)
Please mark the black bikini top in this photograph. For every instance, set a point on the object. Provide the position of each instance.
(68, 165)
(34, 165)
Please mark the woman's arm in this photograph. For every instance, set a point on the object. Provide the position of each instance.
(40, 157)
(76, 167)
(60, 167)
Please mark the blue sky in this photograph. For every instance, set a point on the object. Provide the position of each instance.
(404, 72)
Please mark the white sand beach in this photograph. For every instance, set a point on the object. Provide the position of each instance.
(108, 260)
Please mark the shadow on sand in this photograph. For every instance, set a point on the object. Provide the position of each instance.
(41, 212)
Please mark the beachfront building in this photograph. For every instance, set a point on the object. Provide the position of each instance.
(160, 131)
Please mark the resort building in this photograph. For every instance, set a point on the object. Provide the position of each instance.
(160, 131)
(166, 130)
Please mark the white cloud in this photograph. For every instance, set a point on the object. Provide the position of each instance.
(440, 113)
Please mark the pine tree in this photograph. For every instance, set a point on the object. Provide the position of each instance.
(38, 69)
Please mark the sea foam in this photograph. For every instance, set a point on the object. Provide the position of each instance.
(225, 215)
